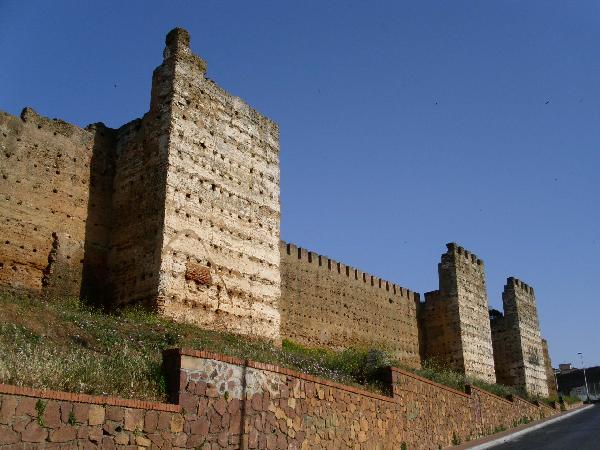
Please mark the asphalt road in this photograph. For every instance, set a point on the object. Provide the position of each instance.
(578, 432)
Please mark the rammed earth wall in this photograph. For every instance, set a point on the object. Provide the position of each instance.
(550, 377)
(177, 211)
(221, 205)
(325, 303)
(518, 350)
(47, 213)
(455, 318)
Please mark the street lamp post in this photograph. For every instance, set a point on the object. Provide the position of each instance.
(587, 392)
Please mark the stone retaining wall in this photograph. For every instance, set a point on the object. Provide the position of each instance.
(32, 418)
(224, 402)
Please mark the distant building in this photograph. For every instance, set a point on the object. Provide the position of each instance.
(565, 367)
(572, 382)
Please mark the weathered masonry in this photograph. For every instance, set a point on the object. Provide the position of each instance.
(455, 318)
(325, 303)
(179, 211)
(219, 256)
(227, 403)
(550, 377)
(518, 350)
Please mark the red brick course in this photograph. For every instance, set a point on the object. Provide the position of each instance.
(85, 398)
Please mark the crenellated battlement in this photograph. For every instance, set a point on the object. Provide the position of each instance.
(518, 349)
(518, 284)
(454, 249)
(327, 303)
(351, 272)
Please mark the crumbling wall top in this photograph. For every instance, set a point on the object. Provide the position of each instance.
(178, 46)
(516, 283)
(455, 249)
(178, 37)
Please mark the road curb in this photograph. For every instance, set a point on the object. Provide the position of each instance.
(509, 436)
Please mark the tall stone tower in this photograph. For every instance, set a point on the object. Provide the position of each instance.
(455, 319)
(219, 263)
(518, 349)
(177, 211)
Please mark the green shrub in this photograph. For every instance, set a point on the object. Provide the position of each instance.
(439, 372)
(40, 407)
(455, 439)
(569, 400)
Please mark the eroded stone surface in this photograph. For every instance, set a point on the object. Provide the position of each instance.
(550, 377)
(221, 205)
(326, 303)
(46, 202)
(455, 319)
(178, 211)
(518, 351)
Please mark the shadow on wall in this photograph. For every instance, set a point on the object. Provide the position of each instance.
(95, 275)
(125, 217)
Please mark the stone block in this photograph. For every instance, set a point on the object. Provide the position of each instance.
(115, 413)
(26, 407)
(7, 409)
(96, 415)
(34, 433)
(176, 423)
(151, 421)
(64, 433)
(133, 419)
(52, 415)
(7, 435)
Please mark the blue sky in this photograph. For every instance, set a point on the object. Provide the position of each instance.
(403, 125)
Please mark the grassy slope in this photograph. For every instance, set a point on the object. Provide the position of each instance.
(63, 345)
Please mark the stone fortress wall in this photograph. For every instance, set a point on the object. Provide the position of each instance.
(550, 377)
(180, 211)
(518, 351)
(455, 318)
(325, 303)
(48, 215)
(220, 249)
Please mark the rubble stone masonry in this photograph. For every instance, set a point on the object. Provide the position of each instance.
(518, 349)
(226, 403)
